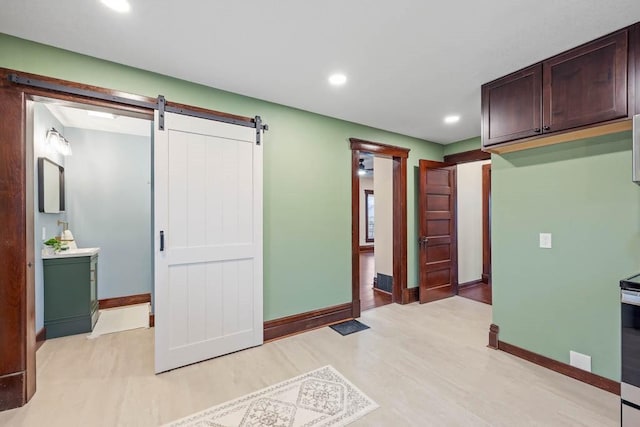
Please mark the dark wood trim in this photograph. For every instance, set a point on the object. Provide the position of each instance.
(41, 337)
(471, 283)
(560, 367)
(378, 149)
(366, 216)
(369, 248)
(411, 295)
(122, 301)
(571, 371)
(12, 391)
(494, 331)
(355, 233)
(399, 229)
(467, 156)
(17, 340)
(486, 223)
(152, 320)
(399, 158)
(290, 325)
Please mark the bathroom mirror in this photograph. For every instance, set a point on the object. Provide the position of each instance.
(50, 186)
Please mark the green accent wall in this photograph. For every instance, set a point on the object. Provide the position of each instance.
(307, 181)
(462, 146)
(550, 301)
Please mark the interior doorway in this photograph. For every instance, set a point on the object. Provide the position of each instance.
(93, 249)
(17, 307)
(375, 230)
(397, 158)
(473, 224)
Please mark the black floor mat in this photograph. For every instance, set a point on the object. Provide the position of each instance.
(349, 327)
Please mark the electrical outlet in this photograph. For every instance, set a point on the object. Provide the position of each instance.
(545, 240)
(580, 360)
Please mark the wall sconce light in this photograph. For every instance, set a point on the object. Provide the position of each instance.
(57, 142)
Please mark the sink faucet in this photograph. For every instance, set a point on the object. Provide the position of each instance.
(64, 224)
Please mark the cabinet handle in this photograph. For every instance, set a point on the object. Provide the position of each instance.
(546, 127)
(536, 130)
(161, 241)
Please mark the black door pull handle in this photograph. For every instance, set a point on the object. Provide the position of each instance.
(161, 240)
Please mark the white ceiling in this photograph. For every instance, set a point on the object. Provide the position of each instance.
(409, 62)
(79, 118)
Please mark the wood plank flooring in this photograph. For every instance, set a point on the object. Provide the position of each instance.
(425, 365)
(368, 297)
(480, 292)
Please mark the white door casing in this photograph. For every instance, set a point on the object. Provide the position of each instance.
(208, 204)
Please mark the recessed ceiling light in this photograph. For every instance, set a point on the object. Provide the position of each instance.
(337, 79)
(121, 6)
(101, 114)
(452, 119)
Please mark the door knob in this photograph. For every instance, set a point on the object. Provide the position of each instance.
(423, 240)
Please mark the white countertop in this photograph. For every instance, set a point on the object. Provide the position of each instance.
(70, 253)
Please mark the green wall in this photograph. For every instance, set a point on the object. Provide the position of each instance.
(462, 146)
(566, 298)
(307, 181)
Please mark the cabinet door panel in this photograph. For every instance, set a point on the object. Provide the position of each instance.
(511, 106)
(586, 85)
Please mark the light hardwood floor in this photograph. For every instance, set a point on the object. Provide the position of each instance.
(425, 365)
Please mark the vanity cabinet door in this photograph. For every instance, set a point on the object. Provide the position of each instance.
(586, 85)
(512, 106)
(70, 297)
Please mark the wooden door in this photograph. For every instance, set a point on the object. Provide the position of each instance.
(512, 106)
(208, 240)
(586, 85)
(437, 239)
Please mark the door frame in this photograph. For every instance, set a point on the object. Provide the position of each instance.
(475, 156)
(398, 156)
(17, 281)
(486, 223)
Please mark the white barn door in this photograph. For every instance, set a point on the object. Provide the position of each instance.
(208, 240)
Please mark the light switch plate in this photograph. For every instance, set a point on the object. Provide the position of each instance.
(545, 240)
(44, 233)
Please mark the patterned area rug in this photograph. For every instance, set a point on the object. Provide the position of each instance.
(318, 398)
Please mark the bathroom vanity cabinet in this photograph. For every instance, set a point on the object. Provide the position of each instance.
(70, 294)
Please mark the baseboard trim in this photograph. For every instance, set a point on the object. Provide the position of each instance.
(122, 301)
(369, 248)
(554, 365)
(410, 295)
(41, 337)
(471, 283)
(12, 391)
(291, 325)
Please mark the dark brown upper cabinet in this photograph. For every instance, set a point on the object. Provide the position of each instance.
(586, 85)
(512, 106)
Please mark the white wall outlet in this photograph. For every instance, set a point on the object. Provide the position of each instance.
(545, 240)
(580, 360)
(44, 233)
